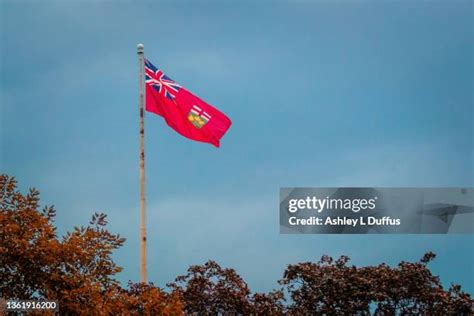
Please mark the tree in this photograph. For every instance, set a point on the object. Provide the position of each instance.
(146, 299)
(267, 304)
(29, 249)
(77, 270)
(411, 288)
(333, 287)
(327, 287)
(210, 289)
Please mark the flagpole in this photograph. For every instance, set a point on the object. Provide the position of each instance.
(143, 265)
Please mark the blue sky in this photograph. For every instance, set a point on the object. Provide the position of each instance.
(348, 93)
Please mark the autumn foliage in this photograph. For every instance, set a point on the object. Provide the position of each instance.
(77, 270)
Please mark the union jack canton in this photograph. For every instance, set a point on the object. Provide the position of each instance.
(160, 82)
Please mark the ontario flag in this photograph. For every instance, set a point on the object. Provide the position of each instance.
(184, 112)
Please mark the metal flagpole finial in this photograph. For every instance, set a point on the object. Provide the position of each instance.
(140, 48)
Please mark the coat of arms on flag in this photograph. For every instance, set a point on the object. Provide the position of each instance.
(198, 117)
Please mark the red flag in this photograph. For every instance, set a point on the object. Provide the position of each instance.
(184, 112)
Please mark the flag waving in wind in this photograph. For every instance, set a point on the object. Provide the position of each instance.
(183, 111)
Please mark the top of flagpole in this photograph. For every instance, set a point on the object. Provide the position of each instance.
(140, 49)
